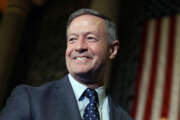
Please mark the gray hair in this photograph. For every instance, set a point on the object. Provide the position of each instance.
(110, 26)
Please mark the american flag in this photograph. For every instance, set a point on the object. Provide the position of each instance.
(157, 92)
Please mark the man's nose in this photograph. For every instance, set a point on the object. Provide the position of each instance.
(81, 45)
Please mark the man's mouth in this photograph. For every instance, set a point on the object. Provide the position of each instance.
(81, 57)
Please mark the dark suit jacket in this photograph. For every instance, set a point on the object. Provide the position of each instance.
(52, 101)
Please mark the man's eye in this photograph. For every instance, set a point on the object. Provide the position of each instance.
(91, 38)
(71, 39)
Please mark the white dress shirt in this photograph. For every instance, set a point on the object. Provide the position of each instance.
(79, 88)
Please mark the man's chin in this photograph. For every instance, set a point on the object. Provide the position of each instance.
(86, 77)
(81, 74)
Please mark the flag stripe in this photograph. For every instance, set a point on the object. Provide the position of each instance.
(159, 83)
(175, 94)
(158, 79)
(178, 62)
(140, 68)
(169, 70)
(143, 88)
(153, 72)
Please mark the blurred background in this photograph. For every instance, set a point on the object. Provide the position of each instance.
(145, 76)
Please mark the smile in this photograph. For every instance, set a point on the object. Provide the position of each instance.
(82, 58)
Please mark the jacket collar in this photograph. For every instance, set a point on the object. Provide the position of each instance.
(66, 99)
(68, 107)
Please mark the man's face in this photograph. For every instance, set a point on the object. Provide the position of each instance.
(87, 46)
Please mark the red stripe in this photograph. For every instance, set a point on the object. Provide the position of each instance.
(153, 73)
(169, 69)
(140, 69)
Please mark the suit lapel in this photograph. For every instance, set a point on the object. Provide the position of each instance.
(67, 107)
(114, 110)
(66, 100)
(116, 113)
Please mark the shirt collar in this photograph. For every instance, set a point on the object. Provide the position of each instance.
(79, 88)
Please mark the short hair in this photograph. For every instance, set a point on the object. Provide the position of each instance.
(110, 26)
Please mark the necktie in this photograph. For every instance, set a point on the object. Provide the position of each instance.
(91, 110)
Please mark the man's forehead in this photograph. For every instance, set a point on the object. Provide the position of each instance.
(84, 19)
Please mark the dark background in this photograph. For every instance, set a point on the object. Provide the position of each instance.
(40, 58)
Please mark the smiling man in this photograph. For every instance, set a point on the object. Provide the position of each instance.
(88, 51)
(91, 44)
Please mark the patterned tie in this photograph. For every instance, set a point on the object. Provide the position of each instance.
(91, 110)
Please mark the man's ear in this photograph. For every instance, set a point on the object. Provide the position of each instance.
(114, 47)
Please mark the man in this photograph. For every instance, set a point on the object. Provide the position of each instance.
(91, 44)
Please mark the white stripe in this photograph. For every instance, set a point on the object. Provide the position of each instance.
(161, 65)
(175, 94)
(143, 88)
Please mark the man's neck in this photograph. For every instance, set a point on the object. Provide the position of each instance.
(90, 82)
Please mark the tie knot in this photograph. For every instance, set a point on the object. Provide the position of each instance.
(91, 94)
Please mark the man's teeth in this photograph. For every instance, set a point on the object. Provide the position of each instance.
(81, 58)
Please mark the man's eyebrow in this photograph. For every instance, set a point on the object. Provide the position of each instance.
(94, 33)
(84, 34)
(72, 34)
